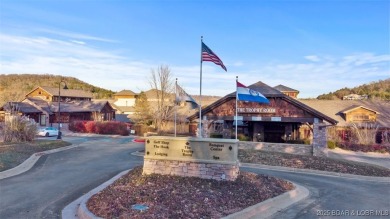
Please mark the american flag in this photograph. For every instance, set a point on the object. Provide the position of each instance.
(209, 56)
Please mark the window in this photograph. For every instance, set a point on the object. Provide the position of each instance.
(360, 117)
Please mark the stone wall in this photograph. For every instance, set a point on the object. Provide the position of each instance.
(302, 149)
(194, 169)
(319, 139)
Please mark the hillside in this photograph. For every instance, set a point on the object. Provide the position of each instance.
(13, 87)
(379, 90)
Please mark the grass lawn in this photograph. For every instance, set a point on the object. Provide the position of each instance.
(13, 154)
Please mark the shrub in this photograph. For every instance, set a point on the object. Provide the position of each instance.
(331, 144)
(90, 127)
(298, 141)
(216, 135)
(77, 126)
(19, 129)
(242, 137)
(307, 141)
(364, 148)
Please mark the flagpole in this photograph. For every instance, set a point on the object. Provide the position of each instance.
(200, 88)
(236, 105)
(175, 105)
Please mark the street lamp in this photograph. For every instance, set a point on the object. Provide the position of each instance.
(59, 107)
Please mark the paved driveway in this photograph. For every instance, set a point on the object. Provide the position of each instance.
(58, 179)
(335, 195)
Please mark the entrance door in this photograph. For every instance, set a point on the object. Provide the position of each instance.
(42, 120)
(274, 132)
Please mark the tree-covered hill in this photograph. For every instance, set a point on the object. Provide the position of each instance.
(375, 90)
(13, 87)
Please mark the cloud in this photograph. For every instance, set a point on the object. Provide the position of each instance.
(74, 35)
(312, 58)
(95, 66)
(78, 42)
(113, 70)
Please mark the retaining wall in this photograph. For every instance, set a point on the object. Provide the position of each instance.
(302, 149)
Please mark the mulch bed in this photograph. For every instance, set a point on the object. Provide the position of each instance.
(183, 197)
(311, 162)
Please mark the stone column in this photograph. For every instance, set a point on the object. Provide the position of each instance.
(319, 139)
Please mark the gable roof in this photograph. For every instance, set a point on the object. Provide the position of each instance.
(354, 107)
(42, 104)
(268, 92)
(283, 88)
(335, 109)
(64, 92)
(125, 93)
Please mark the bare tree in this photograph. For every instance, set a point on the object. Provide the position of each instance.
(162, 84)
(364, 133)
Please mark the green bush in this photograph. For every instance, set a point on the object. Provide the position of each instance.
(242, 137)
(298, 141)
(331, 144)
(216, 135)
(306, 141)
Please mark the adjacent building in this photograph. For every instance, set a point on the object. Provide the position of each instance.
(47, 106)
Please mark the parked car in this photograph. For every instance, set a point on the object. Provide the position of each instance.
(48, 131)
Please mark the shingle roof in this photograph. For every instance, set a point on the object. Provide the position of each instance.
(335, 108)
(122, 118)
(80, 106)
(268, 92)
(44, 105)
(125, 93)
(20, 107)
(282, 88)
(67, 92)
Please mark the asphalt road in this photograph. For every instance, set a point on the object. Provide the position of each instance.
(335, 197)
(58, 179)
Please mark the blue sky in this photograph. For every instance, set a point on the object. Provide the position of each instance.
(313, 46)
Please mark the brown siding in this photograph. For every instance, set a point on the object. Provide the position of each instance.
(282, 109)
(361, 115)
(39, 92)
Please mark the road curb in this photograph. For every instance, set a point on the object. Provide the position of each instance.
(29, 163)
(271, 206)
(78, 208)
(317, 172)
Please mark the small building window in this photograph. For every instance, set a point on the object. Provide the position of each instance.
(360, 117)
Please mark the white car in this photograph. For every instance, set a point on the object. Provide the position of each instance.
(48, 131)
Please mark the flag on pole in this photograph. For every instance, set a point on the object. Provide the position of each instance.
(182, 96)
(209, 56)
(244, 93)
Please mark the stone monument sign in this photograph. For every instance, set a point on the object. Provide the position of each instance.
(209, 158)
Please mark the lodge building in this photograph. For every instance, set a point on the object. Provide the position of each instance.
(41, 104)
(283, 119)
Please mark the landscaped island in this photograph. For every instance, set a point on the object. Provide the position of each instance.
(183, 197)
